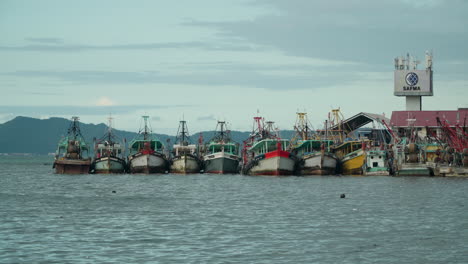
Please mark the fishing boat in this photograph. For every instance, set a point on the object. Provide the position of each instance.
(265, 153)
(376, 163)
(146, 152)
(221, 152)
(352, 157)
(108, 153)
(409, 161)
(185, 157)
(349, 151)
(72, 155)
(313, 152)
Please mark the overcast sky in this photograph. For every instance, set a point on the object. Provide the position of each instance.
(208, 60)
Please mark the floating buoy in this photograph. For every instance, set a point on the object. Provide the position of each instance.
(113, 191)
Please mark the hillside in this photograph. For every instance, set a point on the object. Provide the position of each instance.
(40, 136)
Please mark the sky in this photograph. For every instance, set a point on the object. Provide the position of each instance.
(210, 60)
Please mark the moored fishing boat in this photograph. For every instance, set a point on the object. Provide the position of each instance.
(313, 153)
(376, 163)
(185, 157)
(409, 161)
(315, 158)
(221, 153)
(108, 154)
(352, 157)
(146, 152)
(72, 152)
(265, 153)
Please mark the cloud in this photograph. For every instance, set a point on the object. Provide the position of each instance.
(272, 79)
(65, 110)
(6, 117)
(206, 118)
(356, 30)
(59, 47)
(44, 93)
(46, 40)
(104, 101)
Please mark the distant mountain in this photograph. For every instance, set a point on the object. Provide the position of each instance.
(40, 136)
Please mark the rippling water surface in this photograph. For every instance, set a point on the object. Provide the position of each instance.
(227, 218)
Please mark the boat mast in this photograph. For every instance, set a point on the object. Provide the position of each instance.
(302, 129)
(146, 130)
(337, 118)
(269, 130)
(257, 120)
(74, 129)
(222, 129)
(182, 133)
(221, 132)
(109, 129)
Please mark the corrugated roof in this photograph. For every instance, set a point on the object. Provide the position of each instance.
(428, 118)
(360, 120)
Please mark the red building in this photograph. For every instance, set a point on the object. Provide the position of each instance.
(426, 121)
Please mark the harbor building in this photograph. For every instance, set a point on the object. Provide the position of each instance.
(426, 122)
(413, 84)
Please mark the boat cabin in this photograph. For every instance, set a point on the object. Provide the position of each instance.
(268, 145)
(214, 147)
(184, 149)
(376, 159)
(109, 150)
(72, 149)
(145, 145)
(304, 147)
(348, 147)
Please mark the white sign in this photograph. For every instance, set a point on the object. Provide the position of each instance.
(413, 83)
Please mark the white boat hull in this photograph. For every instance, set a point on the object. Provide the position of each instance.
(109, 165)
(277, 165)
(147, 163)
(185, 164)
(318, 164)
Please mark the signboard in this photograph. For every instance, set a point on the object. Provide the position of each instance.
(413, 83)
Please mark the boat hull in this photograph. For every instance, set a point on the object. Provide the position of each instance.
(379, 172)
(185, 164)
(107, 165)
(147, 163)
(221, 163)
(352, 164)
(409, 169)
(273, 163)
(318, 164)
(72, 166)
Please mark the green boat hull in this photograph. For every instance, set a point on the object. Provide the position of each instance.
(221, 165)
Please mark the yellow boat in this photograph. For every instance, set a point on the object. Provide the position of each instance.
(352, 157)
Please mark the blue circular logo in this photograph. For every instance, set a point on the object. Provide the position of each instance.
(412, 79)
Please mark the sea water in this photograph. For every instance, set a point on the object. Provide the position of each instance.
(203, 218)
